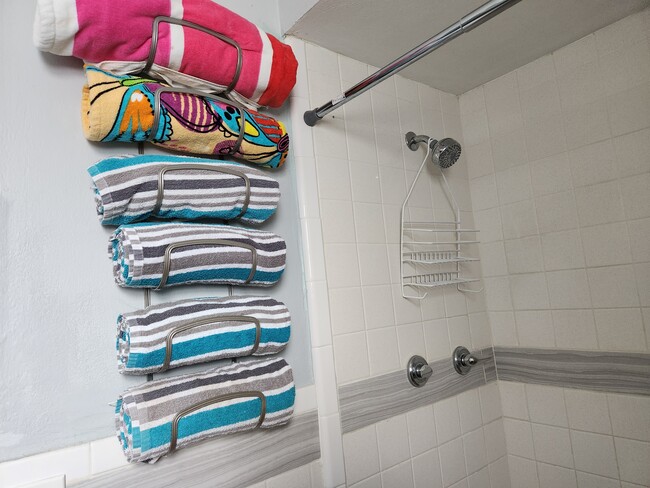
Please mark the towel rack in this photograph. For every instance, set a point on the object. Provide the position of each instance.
(190, 91)
(169, 341)
(192, 25)
(231, 396)
(203, 167)
(167, 263)
(432, 252)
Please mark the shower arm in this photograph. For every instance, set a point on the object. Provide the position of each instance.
(465, 24)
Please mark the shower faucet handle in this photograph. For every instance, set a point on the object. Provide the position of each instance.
(425, 371)
(418, 371)
(463, 360)
(469, 360)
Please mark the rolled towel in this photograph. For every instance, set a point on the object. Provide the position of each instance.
(122, 108)
(207, 329)
(127, 189)
(144, 415)
(238, 257)
(119, 34)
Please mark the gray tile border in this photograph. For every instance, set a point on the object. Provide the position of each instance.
(369, 401)
(232, 461)
(615, 372)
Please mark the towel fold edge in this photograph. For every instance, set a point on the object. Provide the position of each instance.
(55, 25)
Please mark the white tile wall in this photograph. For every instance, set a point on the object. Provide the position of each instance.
(565, 212)
(561, 197)
(565, 437)
(360, 174)
(555, 159)
(361, 184)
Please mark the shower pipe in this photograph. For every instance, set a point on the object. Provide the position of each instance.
(465, 24)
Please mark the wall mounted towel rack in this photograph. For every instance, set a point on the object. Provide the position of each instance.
(184, 23)
(169, 341)
(211, 401)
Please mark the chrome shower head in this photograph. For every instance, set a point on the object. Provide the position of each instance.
(446, 152)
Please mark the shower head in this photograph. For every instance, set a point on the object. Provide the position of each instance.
(444, 152)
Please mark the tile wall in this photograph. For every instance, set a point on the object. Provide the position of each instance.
(354, 171)
(561, 437)
(558, 156)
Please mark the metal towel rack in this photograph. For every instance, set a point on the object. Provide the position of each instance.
(184, 23)
(465, 24)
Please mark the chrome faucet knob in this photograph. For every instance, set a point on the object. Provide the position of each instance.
(424, 371)
(469, 360)
(463, 360)
(418, 371)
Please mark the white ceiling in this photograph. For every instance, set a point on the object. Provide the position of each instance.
(378, 31)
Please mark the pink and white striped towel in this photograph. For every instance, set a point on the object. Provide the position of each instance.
(116, 35)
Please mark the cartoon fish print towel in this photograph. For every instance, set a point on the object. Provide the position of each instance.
(123, 108)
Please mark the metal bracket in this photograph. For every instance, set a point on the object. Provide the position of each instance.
(188, 91)
(222, 398)
(155, 34)
(207, 320)
(203, 167)
(205, 242)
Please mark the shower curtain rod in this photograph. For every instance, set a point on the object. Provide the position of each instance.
(465, 24)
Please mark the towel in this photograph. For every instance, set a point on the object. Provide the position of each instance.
(223, 329)
(144, 414)
(138, 252)
(121, 108)
(118, 34)
(126, 190)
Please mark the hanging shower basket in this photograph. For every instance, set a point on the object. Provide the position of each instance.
(432, 253)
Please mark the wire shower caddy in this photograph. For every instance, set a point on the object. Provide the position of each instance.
(431, 252)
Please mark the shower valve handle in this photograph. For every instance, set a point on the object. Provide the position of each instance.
(424, 371)
(468, 360)
(418, 371)
(463, 360)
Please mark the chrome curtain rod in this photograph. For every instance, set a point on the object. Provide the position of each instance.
(466, 24)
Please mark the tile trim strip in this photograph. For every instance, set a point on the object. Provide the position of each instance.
(369, 401)
(228, 462)
(614, 372)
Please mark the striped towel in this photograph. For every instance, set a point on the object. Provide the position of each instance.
(223, 328)
(119, 34)
(138, 254)
(144, 414)
(126, 190)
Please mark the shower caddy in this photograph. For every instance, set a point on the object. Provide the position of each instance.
(431, 252)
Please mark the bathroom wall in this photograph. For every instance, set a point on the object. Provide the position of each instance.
(58, 299)
(558, 155)
(353, 172)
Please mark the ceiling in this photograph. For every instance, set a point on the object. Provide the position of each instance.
(378, 31)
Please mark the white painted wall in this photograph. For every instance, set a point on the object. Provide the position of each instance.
(58, 301)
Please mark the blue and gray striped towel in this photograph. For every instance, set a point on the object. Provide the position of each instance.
(138, 255)
(144, 414)
(212, 328)
(126, 190)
